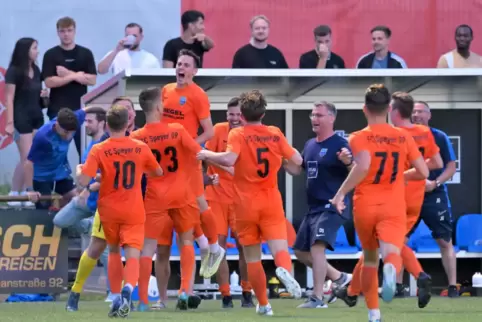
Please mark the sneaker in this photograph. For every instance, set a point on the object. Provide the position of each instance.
(264, 310)
(313, 302)
(374, 316)
(389, 282)
(227, 302)
(26, 203)
(341, 292)
(193, 302)
(182, 302)
(14, 203)
(114, 307)
(159, 305)
(204, 262)
(424, 284)
(247, 299)
(141, 307)
(110, 297)
(452, 291)
(214, 261)
(73, 302)
(289, 282)
(344, 280)
(125, 307)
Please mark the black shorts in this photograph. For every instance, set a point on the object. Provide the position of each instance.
(438, 218)
(62, 187)
(26, 123)
(318, 227)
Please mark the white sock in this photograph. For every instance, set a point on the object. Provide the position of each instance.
(202, 241)
(129, 286)
(214, 248)
(374, 314)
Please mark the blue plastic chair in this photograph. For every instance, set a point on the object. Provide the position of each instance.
(424, 242)
(469, 233)
(341, 244)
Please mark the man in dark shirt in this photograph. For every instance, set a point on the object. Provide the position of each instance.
(192, 38)
(327, 161)
(321, 56)
(258, 53)
(68, 69)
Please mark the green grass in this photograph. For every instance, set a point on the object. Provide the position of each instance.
(400, 310)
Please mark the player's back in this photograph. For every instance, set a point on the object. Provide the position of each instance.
(122, 162)
(175, 151)
(390, 149)
(261, 150)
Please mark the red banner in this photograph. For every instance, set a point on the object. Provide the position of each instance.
(422, 30)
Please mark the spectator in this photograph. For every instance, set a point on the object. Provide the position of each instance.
(258, 53)
(381, 57)
(192, 38)
(322, 56)
(461, 57)
(68, 69)
(23, 91)
(128, 53)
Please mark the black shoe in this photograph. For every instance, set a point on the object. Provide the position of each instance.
(424, 284)
(342, 293)
(247, 300)
(193, 302)
(73, 302)
(227, 302)
(182, 302)
(452, 291)
(400, 291)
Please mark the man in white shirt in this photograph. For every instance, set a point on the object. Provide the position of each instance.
(462, 56)
(128, 54)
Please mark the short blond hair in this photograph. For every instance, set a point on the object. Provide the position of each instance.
(255, 18)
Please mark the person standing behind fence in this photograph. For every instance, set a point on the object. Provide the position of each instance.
(23, 91)
(68, 69)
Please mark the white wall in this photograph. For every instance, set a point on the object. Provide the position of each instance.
(100, 25)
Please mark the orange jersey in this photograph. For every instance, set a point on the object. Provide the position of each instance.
(224, 191)
(415, 190)
(121, 161)
(260, 150)
(174, 149)
(186, 106)
(390, 149)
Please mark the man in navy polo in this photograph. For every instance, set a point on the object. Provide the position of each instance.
(436, 210)
(327, 161)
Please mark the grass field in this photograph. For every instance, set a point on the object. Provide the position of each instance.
(400, 310)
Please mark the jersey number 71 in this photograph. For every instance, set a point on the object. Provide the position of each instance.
(381, 169)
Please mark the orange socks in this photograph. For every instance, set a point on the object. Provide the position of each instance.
(354, 289)
(395, 260)
(246, 286)
(369, 284)
(115, 271)
(283, 259)
(187, 267)
(131, 271)
(145, 270)
(411, 263)
(208, 224)
(257, 277)
(224, 290)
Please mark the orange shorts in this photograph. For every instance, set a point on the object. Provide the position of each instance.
(161, 225)
(387, 223)
(198, 231)
(413, 213)
(224, 214)
(131, 235)
(196, 181)
(260, 217)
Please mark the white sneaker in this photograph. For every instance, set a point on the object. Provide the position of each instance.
(289, 282)
(27, 203)
(389, 286)
(214, 261)
(264, 310)
(110, 297)
(14, 203)
(374, 316)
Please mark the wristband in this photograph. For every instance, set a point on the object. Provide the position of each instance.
(437, 183)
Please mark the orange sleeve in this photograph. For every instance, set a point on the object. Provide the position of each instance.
(357, 144)
(150, 162)
(234, 142)
(287, 150)
(92, 163)
(188, 142)
(413, 153)
(203, 109)
(432, 147)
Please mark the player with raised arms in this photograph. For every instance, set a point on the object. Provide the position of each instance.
(257, 152)
(380, 153)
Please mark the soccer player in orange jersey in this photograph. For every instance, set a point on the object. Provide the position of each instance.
(380, 152)
(257, 152)
(187, 103)
(221, 200)
(167, 200)
(122, 162)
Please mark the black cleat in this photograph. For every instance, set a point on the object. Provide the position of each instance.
(193, 302)
(400, 291)
(424, 284)
(182, 302)
(342, 293)
(452, 291)
(73, 302)
(227, 302)
(247, 300)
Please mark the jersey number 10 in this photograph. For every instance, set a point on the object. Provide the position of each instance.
(128, 170)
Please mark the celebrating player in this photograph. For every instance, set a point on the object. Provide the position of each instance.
(379, 150)
(187, 103)
(122, 162)
(256, 151)
(327, 161)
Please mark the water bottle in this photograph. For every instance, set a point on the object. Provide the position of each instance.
(234, 281)
(477, 283)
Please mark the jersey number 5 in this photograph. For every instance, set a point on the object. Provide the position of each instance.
(128, 170)
(381, 169)
(169, 151)
(262, 161)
